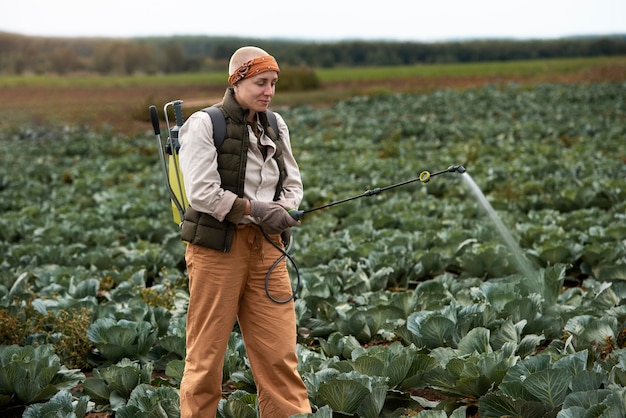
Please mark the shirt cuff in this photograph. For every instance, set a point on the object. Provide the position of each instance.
(224, 206)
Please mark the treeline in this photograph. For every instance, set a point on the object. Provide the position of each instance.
(176, 54)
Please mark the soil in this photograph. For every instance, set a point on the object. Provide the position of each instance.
(125, 109)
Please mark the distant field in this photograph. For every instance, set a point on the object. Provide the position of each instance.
(121, 102)
(532, 68)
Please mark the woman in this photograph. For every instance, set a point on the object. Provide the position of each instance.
(239, 199)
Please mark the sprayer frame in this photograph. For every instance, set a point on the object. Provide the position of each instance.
(171, 147)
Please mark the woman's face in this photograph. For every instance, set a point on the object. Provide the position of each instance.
(255, 93)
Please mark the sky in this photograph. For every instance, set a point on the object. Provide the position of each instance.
(318, 20)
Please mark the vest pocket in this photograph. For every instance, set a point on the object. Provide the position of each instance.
(202, 229)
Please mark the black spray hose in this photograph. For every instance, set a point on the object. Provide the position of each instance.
(424, 177)
(285, 254)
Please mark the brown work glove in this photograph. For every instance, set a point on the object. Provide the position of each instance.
(236, 212)
(273, 218)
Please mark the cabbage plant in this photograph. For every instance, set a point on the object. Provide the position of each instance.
(33, 374)
(115, 340)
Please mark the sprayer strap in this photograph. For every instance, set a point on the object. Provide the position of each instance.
(219, 124)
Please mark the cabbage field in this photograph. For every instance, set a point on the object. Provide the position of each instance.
(410, 302)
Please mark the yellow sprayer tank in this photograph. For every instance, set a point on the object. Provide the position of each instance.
(177, 186)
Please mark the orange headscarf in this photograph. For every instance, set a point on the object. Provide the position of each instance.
(253, 67)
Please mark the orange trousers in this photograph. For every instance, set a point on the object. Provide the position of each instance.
(224, 287)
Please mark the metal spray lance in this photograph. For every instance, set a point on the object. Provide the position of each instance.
(424, 177)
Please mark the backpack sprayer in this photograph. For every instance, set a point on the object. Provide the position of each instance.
(176, 187)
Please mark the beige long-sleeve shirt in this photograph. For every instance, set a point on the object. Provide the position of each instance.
(198, 164)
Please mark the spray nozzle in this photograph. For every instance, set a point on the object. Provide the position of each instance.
(458, 168)
(426, 175)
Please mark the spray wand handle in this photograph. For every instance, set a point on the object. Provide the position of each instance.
(154, 117)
